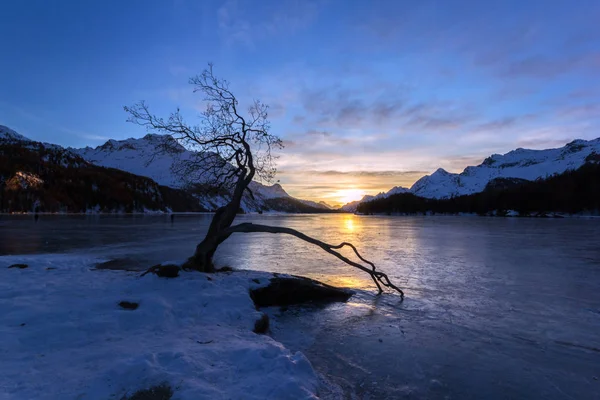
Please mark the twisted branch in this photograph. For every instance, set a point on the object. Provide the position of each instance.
(380, 278)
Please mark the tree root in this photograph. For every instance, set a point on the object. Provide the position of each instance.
(380, 278)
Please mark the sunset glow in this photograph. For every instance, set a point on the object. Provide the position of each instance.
(344, 196)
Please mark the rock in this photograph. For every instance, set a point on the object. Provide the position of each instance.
(167, 271)
(121, 264)
(261, 326)
(20, 266)
(283, 291)
(164, 271)
(160, 392)
(128, 305)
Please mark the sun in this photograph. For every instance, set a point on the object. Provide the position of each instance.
(348, 195)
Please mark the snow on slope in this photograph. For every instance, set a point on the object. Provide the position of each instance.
(519, 163)
(8, 134)
(141, 157)
(63, 335)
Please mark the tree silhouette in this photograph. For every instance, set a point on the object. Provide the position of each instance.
(231, 149)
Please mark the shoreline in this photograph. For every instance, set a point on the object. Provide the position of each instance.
(194, 333)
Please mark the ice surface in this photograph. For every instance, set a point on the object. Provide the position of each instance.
(496, 308)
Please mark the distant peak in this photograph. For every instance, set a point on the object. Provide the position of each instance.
(7, 133)
(441, 171)
(155, 136)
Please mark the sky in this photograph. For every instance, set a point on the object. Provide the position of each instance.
(366, 95)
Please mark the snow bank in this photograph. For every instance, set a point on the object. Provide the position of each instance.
(63, 335)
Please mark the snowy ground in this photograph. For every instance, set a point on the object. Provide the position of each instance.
(63, 335)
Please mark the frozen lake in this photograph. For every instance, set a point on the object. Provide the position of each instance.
(496, 308)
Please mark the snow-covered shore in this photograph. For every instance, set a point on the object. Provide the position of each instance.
(63, 335)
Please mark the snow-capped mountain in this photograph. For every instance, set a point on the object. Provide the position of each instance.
(138, 158)
(42, 177)
(520, 163)
(8, 134)
(144, 157)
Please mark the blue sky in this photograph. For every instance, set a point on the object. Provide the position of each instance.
(366, 94)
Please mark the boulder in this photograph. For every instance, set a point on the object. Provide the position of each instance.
(128, 305)
(261, 326)
(120, 264)
(283, 291)
(20, 266)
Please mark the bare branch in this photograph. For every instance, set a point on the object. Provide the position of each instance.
(380, 278)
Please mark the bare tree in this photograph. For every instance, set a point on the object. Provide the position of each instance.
(232, 149)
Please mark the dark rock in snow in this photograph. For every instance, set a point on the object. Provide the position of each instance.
(164, 271)
(160, 392)
(128, 305)
(261, 326)
(121, 264)
(20, 266)
(167, 271)
(296, 290)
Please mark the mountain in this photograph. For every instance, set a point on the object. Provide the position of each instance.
(523, 164)
(8, 134)
(324, 204)
(519, 163)
(352, 206)
(44, 177)
(575, 191)
(144, 157)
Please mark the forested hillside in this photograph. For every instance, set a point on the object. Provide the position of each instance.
(47, 178)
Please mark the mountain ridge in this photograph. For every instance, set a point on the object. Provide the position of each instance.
(526, 164)
(142, 156)
(21, 173)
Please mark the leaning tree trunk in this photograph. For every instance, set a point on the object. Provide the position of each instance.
(202, 260)
(221, 228)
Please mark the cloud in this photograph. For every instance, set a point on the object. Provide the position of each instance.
(333, 106)
(247, 23)
(541, 67)
(589, 110)
(314, 132)
(504, 123)
(95, 137)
